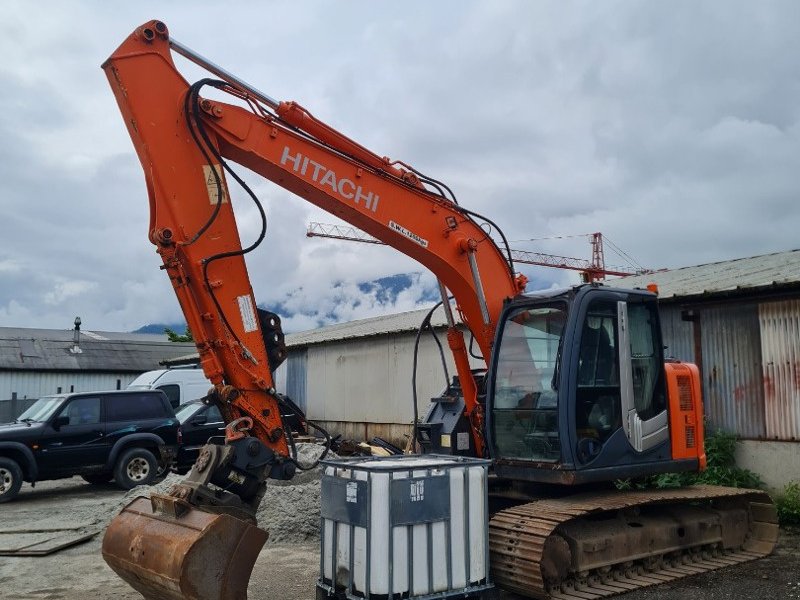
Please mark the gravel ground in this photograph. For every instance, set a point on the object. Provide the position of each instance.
(288, 571)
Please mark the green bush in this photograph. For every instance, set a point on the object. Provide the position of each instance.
(721, 469)
(788, 504)
(720, 449)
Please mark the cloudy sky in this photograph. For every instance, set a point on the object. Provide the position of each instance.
(672, 127)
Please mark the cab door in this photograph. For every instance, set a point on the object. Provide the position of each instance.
(75, 437)
(620, 405)
(643, 397)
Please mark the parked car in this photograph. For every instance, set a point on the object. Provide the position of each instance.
(199, 422)
(128, 436)
(181, 384)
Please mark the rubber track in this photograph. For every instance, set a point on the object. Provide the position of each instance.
(517, 540)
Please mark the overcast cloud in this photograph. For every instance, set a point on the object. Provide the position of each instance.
(672, 127)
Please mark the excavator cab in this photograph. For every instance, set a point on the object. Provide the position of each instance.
(578, 390)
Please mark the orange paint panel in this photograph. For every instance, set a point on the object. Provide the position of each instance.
(685, 412)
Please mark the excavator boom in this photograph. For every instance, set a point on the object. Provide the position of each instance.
(183, 141)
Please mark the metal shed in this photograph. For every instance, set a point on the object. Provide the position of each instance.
(739, 321)
(37, 362)
(355, 378)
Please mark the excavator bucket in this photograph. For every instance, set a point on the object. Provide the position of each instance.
(167, 549)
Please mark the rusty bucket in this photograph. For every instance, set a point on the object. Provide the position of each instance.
(167, 549)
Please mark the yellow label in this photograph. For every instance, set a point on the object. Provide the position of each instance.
(445, 441)
(211, 184)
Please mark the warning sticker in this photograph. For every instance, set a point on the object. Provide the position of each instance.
(352, 492)
(211, 184)
(409, 234)
(418, 490)
(248, 314)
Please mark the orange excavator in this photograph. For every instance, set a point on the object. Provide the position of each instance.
(575, 395)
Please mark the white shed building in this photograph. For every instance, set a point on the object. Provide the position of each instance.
(355, 378)
(38, 362)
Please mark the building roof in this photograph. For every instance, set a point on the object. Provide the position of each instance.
(49, 350)
(373, 326)
(739, 276)
(405, 321)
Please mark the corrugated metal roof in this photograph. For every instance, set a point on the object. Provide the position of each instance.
(406, 321)
(49, 349)
(65, 335)
(740, 275)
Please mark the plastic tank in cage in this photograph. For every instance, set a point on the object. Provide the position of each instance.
(405, 526)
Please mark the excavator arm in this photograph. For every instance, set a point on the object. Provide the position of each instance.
(184, 140)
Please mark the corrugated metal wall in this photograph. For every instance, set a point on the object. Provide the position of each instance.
(678, 334)
(27, 385)
(750, 364)
(780, 349)
(34, 384)
(732, 372)
(296, 369)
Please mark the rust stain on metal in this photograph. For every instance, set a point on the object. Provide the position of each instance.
(167, 550)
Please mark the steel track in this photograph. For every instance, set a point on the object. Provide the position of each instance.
(526, 556)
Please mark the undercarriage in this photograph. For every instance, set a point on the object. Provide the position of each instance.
(599, 544)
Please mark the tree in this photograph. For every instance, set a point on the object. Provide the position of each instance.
(177, 337)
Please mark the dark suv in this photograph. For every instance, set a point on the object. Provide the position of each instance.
(129, 436)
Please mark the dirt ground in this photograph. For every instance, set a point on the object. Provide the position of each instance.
(288, 572)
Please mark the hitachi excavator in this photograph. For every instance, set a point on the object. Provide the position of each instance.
(576, 393)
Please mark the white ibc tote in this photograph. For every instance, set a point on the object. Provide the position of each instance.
(410, 526)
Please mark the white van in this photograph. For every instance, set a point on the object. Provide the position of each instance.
(181, 385)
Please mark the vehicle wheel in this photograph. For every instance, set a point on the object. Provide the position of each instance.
(97, 478)
(10, 479)
(135, 466)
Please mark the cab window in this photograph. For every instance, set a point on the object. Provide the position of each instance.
(82, 411)
(598, 408)
(213, 415)
(173, 392)
(525, 407)
(134, 407)
(648, 390)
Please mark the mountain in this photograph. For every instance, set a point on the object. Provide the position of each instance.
(386, 289)
(159, 328)
(345, 301)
